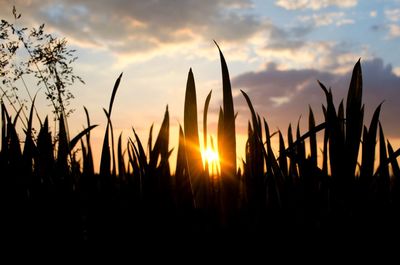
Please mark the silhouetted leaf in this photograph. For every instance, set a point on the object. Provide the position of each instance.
(229, 168)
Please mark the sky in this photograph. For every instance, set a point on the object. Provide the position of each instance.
(276, 51)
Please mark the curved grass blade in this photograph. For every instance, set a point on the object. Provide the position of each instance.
(76, 139)
(150, 141)
(89, 164)
(229, 168)
(114, 92)
(105, 161)
(384, 169)
(205, 142)
(369, 143)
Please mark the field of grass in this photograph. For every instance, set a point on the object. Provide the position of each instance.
(48, 194)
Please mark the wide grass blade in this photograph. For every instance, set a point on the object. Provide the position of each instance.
(76, 139)
(368, 148)
(191, 132)
(256, 123)
(354, 118)
(114, 92)
(105, 160)
(335, 136)
(229, 168)
(45, 160)
(160, 150)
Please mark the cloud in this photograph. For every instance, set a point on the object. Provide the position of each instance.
(319, 20)
(393, 14)
(373, 13)
(281, 96)
(281, 39)
(394, 31)
(333, 56)
(314, 4)
(126, 27)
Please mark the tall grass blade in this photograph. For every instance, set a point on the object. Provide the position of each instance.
(282, 156)
(191, 132)
(120, 157)
(141, 154)
(383, 181)
(205, 137)
(229, 168)
(273, 164)
(62, 152)
(45, 160)
(253, 113)
(368, 148)
(184, 190)
(160, 150)
(109, 127)
(88, 166)
(354, 118)
(105, 160)
(384, 166)
(336, 140)
(114, 92)
(29, 147)
(150, 141)
(325, 148)
(313, 139)
(292, 153)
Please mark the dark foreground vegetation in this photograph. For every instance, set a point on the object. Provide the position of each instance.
(50, 192)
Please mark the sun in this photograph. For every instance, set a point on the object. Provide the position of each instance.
(211, 156)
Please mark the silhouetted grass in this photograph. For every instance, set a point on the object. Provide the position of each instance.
(49, 195)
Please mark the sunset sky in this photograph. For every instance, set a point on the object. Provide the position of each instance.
(275, 50)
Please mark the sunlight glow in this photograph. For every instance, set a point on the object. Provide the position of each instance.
(211, 156)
